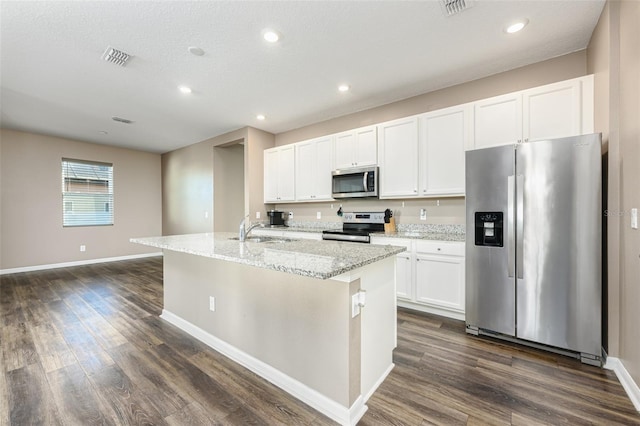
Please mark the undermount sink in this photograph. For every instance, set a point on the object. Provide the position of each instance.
(262, 239)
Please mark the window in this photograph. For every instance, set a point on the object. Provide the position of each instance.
(87, 193)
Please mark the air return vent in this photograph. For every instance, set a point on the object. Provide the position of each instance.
(116, 56)
(453, 7)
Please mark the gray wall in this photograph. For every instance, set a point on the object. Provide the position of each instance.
(613, 58)
(188, 181)
(31, 201)
(228, 184)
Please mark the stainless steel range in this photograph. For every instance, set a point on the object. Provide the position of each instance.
(357, 226)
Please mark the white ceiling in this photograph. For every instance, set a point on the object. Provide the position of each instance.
(55, 82)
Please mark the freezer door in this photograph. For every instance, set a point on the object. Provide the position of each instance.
(490, 250)
(559, 264)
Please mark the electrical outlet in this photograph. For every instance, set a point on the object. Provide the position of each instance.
(634, 218)
(423, 214)
(257, 215)
(212, 303)
(83, 248)
(318, 215)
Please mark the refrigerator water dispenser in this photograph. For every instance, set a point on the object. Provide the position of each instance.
(489, 229)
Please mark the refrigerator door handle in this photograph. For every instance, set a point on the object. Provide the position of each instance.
(520, 224)
(511, 261)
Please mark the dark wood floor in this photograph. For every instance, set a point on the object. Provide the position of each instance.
(85, 345)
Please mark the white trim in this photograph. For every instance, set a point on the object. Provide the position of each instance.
(378, 382)
(445, 312)
(629, 385)
(77, 263)
(330, 408)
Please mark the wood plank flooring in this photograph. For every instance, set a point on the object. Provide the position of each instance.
(85, 345)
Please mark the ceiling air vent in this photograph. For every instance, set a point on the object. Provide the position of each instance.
(116, 56)
(452, 7)
(121, 120)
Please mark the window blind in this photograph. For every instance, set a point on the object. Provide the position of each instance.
(87, 193)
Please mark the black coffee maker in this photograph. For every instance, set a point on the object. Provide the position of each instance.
(276, 218)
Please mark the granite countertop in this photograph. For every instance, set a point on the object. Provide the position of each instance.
(435, 236)
(438, 233)
(316, 259)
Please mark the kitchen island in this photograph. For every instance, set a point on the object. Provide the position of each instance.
(289, 310)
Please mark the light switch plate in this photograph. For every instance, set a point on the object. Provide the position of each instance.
(290, 215)
(212, 303)
(423, 214)
(634, 218)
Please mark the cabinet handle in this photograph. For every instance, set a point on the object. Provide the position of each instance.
(439, 249)
(415, 190)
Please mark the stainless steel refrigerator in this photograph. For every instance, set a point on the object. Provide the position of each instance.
(533, 245)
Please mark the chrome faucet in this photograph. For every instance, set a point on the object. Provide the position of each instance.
(243, 234)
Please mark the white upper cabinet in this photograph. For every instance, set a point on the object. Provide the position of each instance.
(498, 121)
(356, 148)
(398, 158)
(444, 136)
(556, 110)
(314, 163)
(551, 111)
(279, 176)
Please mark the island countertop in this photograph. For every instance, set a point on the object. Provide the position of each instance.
(316, 259)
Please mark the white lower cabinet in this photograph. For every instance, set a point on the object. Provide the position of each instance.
(429, 275)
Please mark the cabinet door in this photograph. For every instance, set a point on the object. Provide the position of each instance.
(366, 146)
(443, 137)
(345, 150)
(440, 281)
(322, 169)
(305, 162)
(398, 148)
(270, 176)
(286, 174)
(497, 121)
(404, 279)
(552, 111)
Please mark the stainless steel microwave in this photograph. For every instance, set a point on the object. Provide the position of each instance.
(355, 183)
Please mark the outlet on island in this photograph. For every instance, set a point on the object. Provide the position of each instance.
(83, 248)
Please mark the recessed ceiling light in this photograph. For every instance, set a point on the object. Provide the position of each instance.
(344, 88)
(184, 89)
(260, 117)
(516, 26)
(194, 50)
(271, 36)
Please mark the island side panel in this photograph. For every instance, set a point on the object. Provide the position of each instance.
(299, 325)
(379, 323)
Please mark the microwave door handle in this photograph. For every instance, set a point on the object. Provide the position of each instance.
(364, 181)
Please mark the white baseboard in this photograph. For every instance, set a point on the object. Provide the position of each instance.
(379, 382)
(76, 263)
(629, 385)
(444, 312)
(330, 408)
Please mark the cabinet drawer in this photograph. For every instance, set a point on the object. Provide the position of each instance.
(440, 247)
